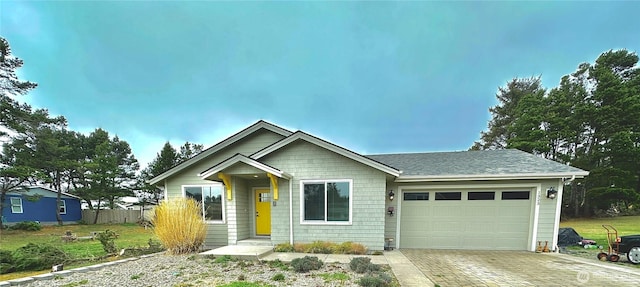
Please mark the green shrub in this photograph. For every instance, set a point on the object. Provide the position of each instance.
(38, 257)
(375, 279)
(283, 247)
(278, 264)
(278, 277)
(26, 225)
(363, 265)
(179, 225)
(306, 263)
(107, 239)
(223, 259)
(6, 262)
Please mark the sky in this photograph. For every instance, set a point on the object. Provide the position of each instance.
(373, 77)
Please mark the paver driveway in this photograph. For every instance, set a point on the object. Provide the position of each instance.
(518, 268)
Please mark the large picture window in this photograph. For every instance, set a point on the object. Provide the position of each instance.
(16, 205)
(210, 196)
(326, 201)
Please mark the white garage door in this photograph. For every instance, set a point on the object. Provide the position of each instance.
(480, 220)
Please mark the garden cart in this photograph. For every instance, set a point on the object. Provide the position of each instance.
(613, 242)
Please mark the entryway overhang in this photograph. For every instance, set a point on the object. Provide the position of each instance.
(243, 166)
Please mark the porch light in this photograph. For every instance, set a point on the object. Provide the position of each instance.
(552, 193)
(391, 194)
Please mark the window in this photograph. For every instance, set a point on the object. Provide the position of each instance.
(63, 207)
(515, 195)
(210, 196)
(326, 201)
(481, 195)
(16, 205)
(448, 195)
(416, 196)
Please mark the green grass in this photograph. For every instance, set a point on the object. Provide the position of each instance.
(130, 235)
(591, 228)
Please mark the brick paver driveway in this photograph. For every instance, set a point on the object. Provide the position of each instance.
(518, 268)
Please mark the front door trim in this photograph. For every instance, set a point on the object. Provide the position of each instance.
(255, 209)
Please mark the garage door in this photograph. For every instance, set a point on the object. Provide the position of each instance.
(495, 220)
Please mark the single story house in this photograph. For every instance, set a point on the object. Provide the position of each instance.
(268, 182)
(37, 203)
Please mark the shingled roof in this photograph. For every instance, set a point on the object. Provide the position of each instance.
(475, 163)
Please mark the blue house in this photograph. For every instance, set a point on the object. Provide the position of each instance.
(39, 204)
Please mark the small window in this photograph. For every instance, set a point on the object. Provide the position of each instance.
(448, 195)
(515, 195)
(62, 207)
(16, 205)
(416, 196)
(481, 195)
(264, 197)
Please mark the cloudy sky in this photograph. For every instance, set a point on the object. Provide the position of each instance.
(374, 77)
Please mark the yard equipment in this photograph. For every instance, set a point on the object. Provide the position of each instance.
(613, 242)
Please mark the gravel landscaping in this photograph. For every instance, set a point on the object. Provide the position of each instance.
(195, 270)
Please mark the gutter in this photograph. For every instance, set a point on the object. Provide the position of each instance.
(418, 178)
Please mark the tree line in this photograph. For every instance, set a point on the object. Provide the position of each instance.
(39, 149)
(591, 120)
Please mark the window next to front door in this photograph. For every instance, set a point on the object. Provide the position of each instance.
(326, 201)
(210, 197)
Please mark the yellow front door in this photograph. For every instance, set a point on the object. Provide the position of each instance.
(263, 211)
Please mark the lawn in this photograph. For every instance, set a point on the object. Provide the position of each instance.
(130, 235)
(591, 228)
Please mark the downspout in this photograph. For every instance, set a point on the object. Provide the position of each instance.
(291, 210)
(166, 191)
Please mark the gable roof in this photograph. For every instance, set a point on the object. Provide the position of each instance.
(241, 158)
(299, 135)
(224, 143)
(476, 165)
(53, 192)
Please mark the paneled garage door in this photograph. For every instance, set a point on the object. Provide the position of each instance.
(495, 220)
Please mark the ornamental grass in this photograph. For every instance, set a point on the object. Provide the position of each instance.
(178, 224)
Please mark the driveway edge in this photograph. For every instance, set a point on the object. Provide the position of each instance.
(405, 271)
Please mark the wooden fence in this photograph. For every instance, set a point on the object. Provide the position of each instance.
(115, 216)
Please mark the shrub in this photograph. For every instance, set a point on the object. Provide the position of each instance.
(278, 264)
(358, 249)
(349, 248)
(283, 247)
(223, 259)
(38, 257)
(375, 279)
(107, 239)
(179, 225)
(320, 247)
(26, 225)
(363, 265)
(323, 247)
(306, 263)
(299, 247)
(278, 277)
(6, 262)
